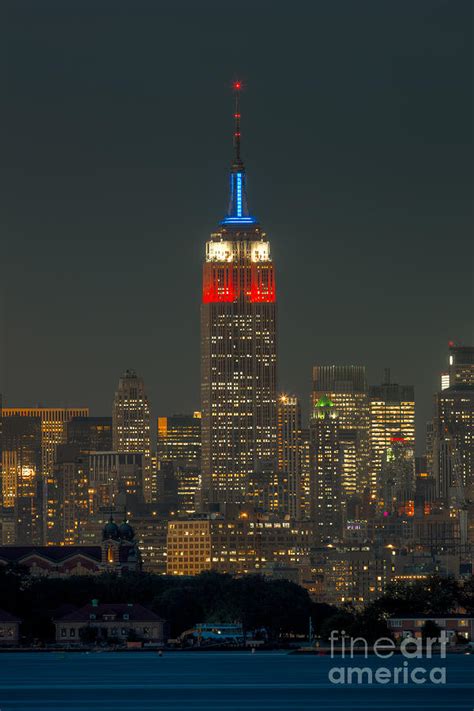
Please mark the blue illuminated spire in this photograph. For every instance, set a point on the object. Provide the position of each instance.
(238, 212)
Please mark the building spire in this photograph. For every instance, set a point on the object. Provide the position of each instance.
(237, 164)
(237, 213)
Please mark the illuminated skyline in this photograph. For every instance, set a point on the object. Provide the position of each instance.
(359, 152)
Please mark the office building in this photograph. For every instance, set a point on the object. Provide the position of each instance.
(131, 425)
(392, 414)
(179, 444)
(238, 346)
(397, 482)
(69, 495)
(90, 434)
(305, 463)
(289, 452)
(179, 439)
(54, 421)
(23, 486)
(325, 477)
(453, 445)
(460, 366)
(241, 544)
(356, 575)
(113, 474)
(346, 387)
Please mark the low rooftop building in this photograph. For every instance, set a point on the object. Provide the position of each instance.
(411, 625)
(111, 622)
(117, 553)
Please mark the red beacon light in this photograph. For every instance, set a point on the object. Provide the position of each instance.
(237, 85)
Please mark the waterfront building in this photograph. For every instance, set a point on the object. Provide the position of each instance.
(113, 623)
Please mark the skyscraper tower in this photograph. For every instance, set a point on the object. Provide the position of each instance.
(325, 476)
(453, 446)
(346, 387)
(289, 445)
(460, 366)
(131, 424)
(392, 414)
(452, 442)
(238, 345)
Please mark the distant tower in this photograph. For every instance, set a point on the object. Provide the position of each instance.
(179, 452)
(452, 441)
(289, 447)
(460, 366)
(325, 470)
(131, 424)
(397, 479)
(453, 446)
(392, 414)
(346, 386)
(179, 439)
(238, 346)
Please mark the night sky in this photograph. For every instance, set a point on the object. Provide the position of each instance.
(115, 150)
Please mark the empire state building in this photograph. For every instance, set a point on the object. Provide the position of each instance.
(238, 346)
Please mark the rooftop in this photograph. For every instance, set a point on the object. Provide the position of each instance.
(135, 612)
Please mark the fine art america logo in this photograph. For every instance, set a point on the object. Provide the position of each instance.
(409, 671)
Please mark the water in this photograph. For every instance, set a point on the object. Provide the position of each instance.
(216, 681)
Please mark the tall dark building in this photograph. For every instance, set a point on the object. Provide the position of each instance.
(238, 346)
(179, 462)
(90, 434)
(453, 447)
(325, 475)
(179, 439)
(451, 444)
(289, 449)
(131, 425)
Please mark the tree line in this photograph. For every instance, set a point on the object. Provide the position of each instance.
(282, 607)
